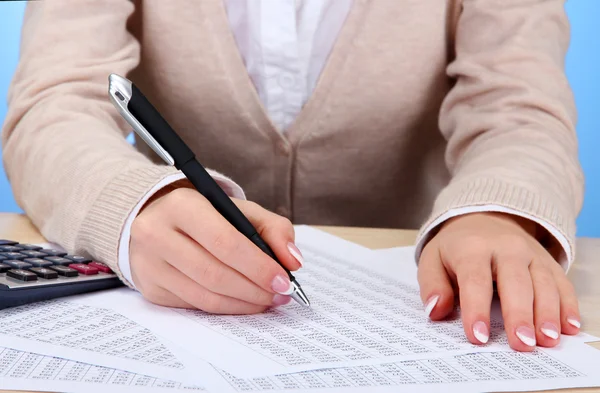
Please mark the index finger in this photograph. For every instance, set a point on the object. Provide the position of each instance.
(199, 219)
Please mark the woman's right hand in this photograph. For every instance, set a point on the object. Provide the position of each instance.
(183, 253)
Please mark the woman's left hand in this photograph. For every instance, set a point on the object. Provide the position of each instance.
(472, 251)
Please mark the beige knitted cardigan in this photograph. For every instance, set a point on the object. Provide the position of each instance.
(423, 106)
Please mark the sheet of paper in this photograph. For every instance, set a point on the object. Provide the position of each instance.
(358, 317)
(93, 334)
(29, 371)
(398, 261)
(573, 365)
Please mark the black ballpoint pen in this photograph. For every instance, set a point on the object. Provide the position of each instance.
(156, 132)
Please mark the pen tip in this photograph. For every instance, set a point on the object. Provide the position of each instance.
(300, 297)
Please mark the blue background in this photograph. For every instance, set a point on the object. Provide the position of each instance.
(583, 69)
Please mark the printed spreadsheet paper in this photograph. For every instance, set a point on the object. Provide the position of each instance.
(357, 318)
(95, 334)
(574, 365)
(29, 371)
(361, 315)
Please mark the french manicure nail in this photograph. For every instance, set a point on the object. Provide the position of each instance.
(282, 285)
(526, 335)
(481, 332)
(430, 304)
(550, 330)
(574, 322)
(280, 300)
(295, 253)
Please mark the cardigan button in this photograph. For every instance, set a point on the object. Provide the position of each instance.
(283, 148)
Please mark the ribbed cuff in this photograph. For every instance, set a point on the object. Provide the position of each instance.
(101, 227)
(492, 191)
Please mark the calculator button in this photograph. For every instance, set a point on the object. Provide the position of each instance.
(78, 258)
(53, 252)
(14, 255)
(42, 272)
(59, 260)
(22, 275)
(17, 264)
(64, 271)
(84, 269)
(11, 248)
(100, 266)
(4, 242)
(4, 268)
(33, 253)
(38, 262)
(31, 247)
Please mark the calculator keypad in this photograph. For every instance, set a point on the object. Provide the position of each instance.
(21, 275)
(64, 271)
(55, 253)
(100, 266)
(59, 260)
(78, 258)
(15, 264)
(84, 269)
(30, 265)
(14, 255)
(32, 247)
(42, 272)
(11, 248)
(33, 253)
(38, 262)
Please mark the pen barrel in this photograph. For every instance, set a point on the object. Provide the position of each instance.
(157, 126)
(260, 243)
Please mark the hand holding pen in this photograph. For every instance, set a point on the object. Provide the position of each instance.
(198, 248)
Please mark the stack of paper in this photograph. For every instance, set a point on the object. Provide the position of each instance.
(366, 332)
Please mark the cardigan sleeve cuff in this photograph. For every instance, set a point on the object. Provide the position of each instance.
(100, 231)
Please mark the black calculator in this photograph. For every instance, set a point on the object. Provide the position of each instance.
(30, 273)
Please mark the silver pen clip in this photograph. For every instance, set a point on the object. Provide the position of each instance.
(119, 91)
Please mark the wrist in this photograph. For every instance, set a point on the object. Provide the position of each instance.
(532, 228)
(181, 183)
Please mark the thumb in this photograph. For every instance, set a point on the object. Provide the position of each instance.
(436, 290)
(276, 230)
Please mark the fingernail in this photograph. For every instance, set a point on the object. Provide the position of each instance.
(550, 330)
(574, 322)
(281, 284)
(280, 300)
(526, 335)
(431, 304)
(481, 332)
(296, 253)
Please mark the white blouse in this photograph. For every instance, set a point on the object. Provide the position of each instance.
(285, 44)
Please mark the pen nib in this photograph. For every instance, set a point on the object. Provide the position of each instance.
(299, 296)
